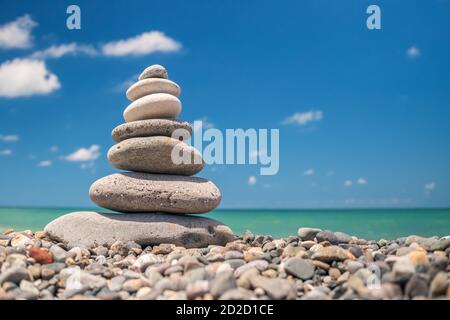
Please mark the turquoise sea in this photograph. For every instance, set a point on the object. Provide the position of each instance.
(363, 223)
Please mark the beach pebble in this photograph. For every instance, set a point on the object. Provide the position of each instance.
(327, 235)
(248, 236)
(14, 275)
(151, 127)
(353, 266)
(439, 284)
(342, 237)
(233, 254)
(144, 192)
(403, 269)
(154, 71)
(223, 282)
(417, 286)
(58, 253)
(154, 155)
(356, 251)
(154, 106)
(276, 289)
(29, 288)
(308, 233)
(21, 240)
(132, 285)
(441, 244)
(330, 254)
(197, 289)
(238, 294)
(144, 261)
(260, 265)
(40, 255)
(300, 268)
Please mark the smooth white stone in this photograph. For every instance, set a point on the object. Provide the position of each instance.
(152, 85)
(153, 106)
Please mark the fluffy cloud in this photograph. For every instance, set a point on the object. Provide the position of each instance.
(429, 186)
(9, 138)
(413, 52)
(84, 154)
(5, 152)
(58, 51)
(361, 181)
(26, 77)
(17, 34)
(145, 43)
(303, 118)
(54, 149)
(252, 180)
(45, 163)
(309, 172)
(348, 183)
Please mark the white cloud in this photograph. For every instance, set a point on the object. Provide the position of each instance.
(87, 165)
(303, 118)
(9, 138)
(413, 52)
(54, 149)
(17, 34)
(145, 43)
(429, 186)
(309, 172)
(58, 51)
(252, 180)
(6, 152)
(361, 181)
(84, 154)
(348, 183)
(26, 77)
(45, 163)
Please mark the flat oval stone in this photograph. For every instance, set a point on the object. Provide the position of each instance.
(146, 192)
(154, 155)
(92, 229)
(152, 85)
(154, 71)
(149, 128)
(153, 106)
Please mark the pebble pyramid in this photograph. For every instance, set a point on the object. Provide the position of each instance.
(159, 191)
(144, 147)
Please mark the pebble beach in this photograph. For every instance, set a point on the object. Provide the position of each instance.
(312, 265)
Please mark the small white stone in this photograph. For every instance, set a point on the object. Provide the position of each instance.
(154, 71)
(153, 106)
(153, 85)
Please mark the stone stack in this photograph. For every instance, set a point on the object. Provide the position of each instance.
(158, 190)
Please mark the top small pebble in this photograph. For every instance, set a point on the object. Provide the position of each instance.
(154, 71)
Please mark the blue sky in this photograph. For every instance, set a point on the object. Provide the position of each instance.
(378, 100)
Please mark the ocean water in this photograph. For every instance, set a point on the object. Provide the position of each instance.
(363, 223)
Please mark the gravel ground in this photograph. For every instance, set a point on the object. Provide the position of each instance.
(314, 264)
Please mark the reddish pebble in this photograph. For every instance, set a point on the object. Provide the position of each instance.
(41, 256)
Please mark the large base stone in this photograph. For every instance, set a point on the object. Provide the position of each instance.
(92, 229)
